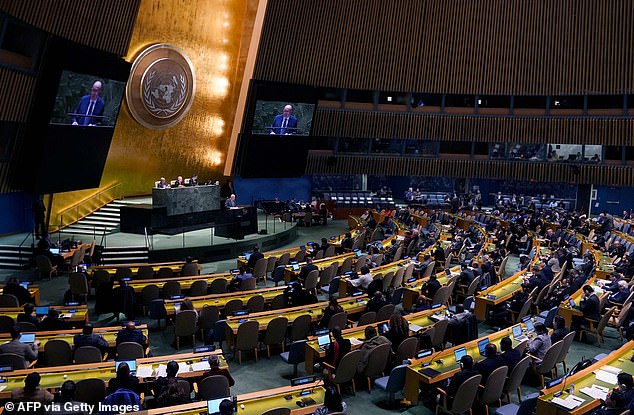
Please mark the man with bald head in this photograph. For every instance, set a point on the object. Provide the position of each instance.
(90, 107)
(284, 123)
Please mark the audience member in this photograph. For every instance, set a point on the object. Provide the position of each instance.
(337, 349)
(123, 380)
(215, 369)
(31, 392)
(510, 356)
(364, 279)
(332, 309)
(491, 362)
(398, 330)
(372, 340)
(27, 351)
(53, 322)
(560, 329)
(14, 288)
(131, 334)
(306, 269)
(87, 338)
(466, 372)
(538, 345)
(376, 302)
(28, 316)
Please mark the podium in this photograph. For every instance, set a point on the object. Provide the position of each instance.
(237, 222)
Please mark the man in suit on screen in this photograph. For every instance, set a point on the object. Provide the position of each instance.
(284, 123)
(90, 107)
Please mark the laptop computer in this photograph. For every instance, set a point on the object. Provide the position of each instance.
(528, 322)
(518, 335)
(482, 344)
(359, 253)
(54, 251)
(213, 405)
(459, 353)
(25, 285)
(383, 328)
(131, 365)
(247, 255)
(41, 310)
(323, 341)
(295, 267)
(27, 338)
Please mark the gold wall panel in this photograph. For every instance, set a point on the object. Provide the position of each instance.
(214, 34)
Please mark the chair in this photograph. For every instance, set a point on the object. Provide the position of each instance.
(9, 301)
(218, 286)
(300, 256)
(171, 289)
(91, 391)
(429, 269)
(338, 320)
(58, 353)
(123, 272)
(517, 316)
(441, 296)
(568, 338)
(214, 387)
(158, 311)
(186, 324)
(406, 350)
(440, 331)
(393, 383)
(16, 361)
(600, 325)
(165, 272)
(547, 364)
(397, 296)
(271, 264)
(87, 354)
(367, 318)
(207, 318)
(248, 284)
(278, 302)
(78, 284)
(99, 277)
(275, 334)
(45, 266)
(284, 259)
(325, 277)
(330, 251)
(296, 354)
(145, 272)
(387, 281)
(255, 304)
(526, 407)
(130, 351)
(259, 269)
(377, 361)
(246, 339)
(310, 283)
(198, 288)
(463, 401)
(346, 370)
(278, 411)
(189, 269)
(319, 254)
(385, 312)
(397, 281)
(619, 321)
(300, 327)
(493, 388)
(26, 327)
(514, 380)
(346, 265)
(149, 293)
(232, 306)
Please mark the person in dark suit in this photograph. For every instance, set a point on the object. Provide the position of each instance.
(488, 365)
(215, 369)
(590, 305)
(53, 322)
(284, 123)
(303, 273)
(439, 254)
(123, 380)
(466, 275)
(130, 334)
(337, 349)
(193, 181)
(560, 330)
(466, 372)
(179, 182)
(39, 216)
(620, 296)
(90, 107)
(26, 351)
(14, 288)
(87, 338)
(255, 256)
(231, 202)
(332, 309)
(510, 357)
(430, 288)
(377, 301)
(29, 316)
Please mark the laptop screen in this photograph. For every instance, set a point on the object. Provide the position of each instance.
(323, 340)
(517, 331)
(459, 353)
(213, 406)
(41, 311)
(131, 364)
(359, 253)
(247, 255)
(25, 285)
(482, 344)
(529, 323)
(27, 338)
(295, 267)
(54, 251)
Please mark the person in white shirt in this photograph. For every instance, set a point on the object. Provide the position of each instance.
(364, 279)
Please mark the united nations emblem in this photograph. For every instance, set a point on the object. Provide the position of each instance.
(161, 87)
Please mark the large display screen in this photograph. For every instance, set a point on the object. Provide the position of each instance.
(87, 100)
(282, 118)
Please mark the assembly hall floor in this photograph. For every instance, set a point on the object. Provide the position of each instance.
(253, 376)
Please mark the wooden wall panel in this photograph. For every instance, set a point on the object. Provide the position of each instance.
(451, 46)
(332, 122)
(322, 163)
(17, 92)
(102, 24)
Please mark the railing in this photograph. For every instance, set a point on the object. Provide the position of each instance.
(87, 206)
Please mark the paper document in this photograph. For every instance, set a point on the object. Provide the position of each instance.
(612, 369)
(415, 327)
(595, 393)
(200, 366)
(184, 367)
(569, 402)
(606, 377)
(161, 370)
(355, 342)
(2, 387)
(144, 371)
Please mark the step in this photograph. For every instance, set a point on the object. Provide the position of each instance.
(115, 215)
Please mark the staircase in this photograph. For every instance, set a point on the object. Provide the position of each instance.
(104, 220)
(14, 257)
(125, 255)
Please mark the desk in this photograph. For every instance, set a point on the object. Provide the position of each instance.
(182, 200)
(185, 282)
(34, 290)
(411, 290)
(108, 333)
(289, 274)
(79, 316)
(345, 285)
(619, 358)
(219, 300)
(568, 312)
(256, 403)
(448, 367)
(53, 377)
(357, 334)
(112, 269)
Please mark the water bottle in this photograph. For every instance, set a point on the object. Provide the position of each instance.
(572, 389)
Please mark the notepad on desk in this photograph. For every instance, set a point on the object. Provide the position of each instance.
(595, 392)
(570, 402)
(606, 377)
(161, 370)
(144, 371)
(184, 367)
(356, 342)
(200, 366)
(415, 328)
(611, 369)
